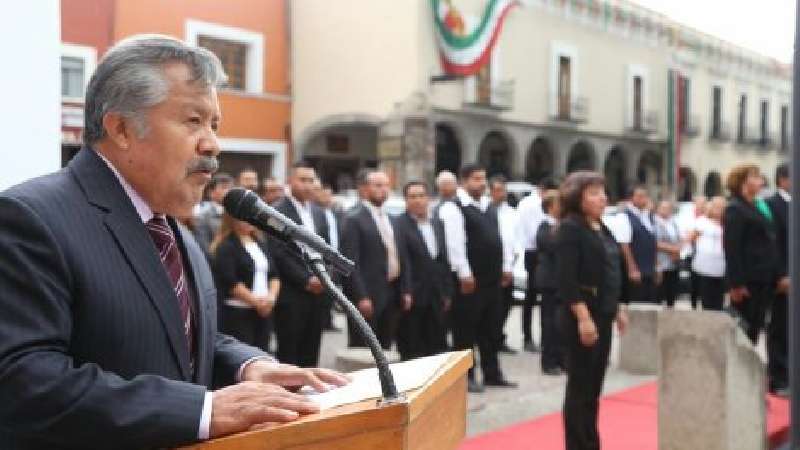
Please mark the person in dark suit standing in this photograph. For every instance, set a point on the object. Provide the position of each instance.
(323, 197)
(640, 248)
(301, 304)
(421, 331)
(552, 354)
(778, 339)
(247, 282)
(475, 250)
(376, 286)
(751, 253)
(589, 275)
(120, 348)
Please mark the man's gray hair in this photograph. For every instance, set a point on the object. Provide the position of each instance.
(445, 176)
(130, 79)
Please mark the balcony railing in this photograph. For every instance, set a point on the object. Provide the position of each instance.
(720, 132)
(577, 111)
(691, 127)
(500, 96)
(646, 125)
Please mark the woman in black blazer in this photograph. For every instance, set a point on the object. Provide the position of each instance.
(589, 273)
(247, 282)
(751, 252)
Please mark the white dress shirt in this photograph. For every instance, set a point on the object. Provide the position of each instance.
(624, 233)
(146, 214)
(787, 197)
(304, 212)
(709, 255)
(530, 215)
(333, 228)
(508, 223)
(426, 229)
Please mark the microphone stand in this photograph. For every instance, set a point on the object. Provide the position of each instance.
(316, 263)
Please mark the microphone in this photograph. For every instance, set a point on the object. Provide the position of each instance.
(245, 205)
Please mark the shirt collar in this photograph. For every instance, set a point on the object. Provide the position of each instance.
(786, 196)
(141, 206)
(467, 199)
(549, 219)
(372, 208)
(299, 206)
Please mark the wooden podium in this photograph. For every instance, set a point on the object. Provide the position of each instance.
(432, 417)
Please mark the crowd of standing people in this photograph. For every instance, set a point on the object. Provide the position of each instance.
(439, 275)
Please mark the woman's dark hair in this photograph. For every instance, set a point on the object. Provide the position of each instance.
(738, 176)
(572, 190)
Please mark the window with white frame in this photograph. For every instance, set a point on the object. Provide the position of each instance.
(77, 64)
(716, 112)
(637, 98)
(240, 51)
(563, 80)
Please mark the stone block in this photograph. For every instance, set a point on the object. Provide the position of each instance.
(639, 344)
(711, 384)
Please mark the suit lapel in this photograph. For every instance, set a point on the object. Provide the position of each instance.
(419, 240)
(103, 190)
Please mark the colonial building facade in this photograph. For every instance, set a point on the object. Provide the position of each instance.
(564, 85)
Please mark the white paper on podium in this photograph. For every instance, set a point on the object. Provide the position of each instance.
(408, 375)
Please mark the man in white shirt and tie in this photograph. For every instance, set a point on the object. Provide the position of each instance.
(508, 220)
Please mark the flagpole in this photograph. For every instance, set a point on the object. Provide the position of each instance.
(794, 245)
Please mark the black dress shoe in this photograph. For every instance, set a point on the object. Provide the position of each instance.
(531, 346)
(499, 382)
(474, 388)
(506, 349)
(553, 371)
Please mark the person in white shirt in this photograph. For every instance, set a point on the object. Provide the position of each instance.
(475, 251)
(508, 220)
(530, 216)
(669, 253)
(640, 247)
(709, 255)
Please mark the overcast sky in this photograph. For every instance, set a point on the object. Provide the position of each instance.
(766, 26)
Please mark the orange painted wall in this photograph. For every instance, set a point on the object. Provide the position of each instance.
(248, 117)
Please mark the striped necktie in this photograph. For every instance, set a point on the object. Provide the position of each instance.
(164, 239)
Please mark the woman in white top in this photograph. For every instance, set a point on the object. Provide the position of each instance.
(709, 256)
(669, 253)
(247, 282)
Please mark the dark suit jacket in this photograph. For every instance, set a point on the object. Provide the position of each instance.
(362, 244)
(546, 257)
(580, 265)
(293, 269)
(431, 279)
(92, 350)
(780, 212)
(232, 264)
(751, 253)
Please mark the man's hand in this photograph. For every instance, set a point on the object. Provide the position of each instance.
(783, 286)
(237, 408)
(408, 302)
(739, 294)
(314, 286)
(264, 305)
(508, 277)
(622, 320)
(365, 307)
(291, 377)
(635, 276)
(467, 285)
(587, 332)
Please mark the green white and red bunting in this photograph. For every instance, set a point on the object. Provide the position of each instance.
(464, 52)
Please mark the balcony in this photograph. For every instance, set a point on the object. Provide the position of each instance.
(497, 97)
(645, 125)
(575, 111)
(721, 132)
(691, 127)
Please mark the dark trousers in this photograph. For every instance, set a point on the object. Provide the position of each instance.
(694, 293)
(552, 352)
(298, 327)
(586, 370)
(247, 326)
(530, 296)
(754, 309)
(420, 333)
(712, 292)
(507, 299)
(383, 323)
(644, 291)
(668, 289)
(475, 318)
(778, 343)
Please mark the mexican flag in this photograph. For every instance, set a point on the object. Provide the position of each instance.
(463, 51)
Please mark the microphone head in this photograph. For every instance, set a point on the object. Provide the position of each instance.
(240, 203)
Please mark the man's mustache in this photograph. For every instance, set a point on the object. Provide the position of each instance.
(208, 164)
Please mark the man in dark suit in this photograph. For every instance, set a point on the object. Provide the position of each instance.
(777, 340)
(323, 197)
(301, 303)
(421, 331)
(370, 241)
(108, 336)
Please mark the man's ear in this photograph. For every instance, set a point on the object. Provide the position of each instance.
(118, 129)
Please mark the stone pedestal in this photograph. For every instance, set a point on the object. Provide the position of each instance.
(352, 359)
(711, 384)
(639, 344)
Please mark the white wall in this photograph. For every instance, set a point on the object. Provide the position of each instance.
(30, 119)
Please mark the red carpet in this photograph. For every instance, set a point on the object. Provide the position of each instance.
(628, 421)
